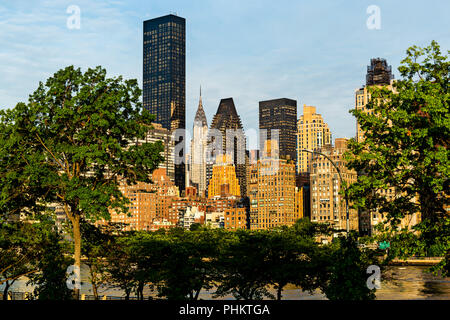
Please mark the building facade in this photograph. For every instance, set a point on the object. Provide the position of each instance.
(327, 204)
(150, 203)
(312, 133)
(281, 115)
(224, 181)
(198, 149)
(272, 193)
(164, 78)
(158, 133)
(226, 137)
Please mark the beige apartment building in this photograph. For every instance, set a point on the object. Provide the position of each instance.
(272, 192)
(327, 204)
(312, 133)
(150, 203)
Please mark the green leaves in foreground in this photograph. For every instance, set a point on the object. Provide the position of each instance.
(405, 151)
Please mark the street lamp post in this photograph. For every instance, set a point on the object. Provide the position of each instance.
(340, 178)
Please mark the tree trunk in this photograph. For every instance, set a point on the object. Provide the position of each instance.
(77, 244)
(93, 275)
(5, 291)
(140, 291)
(94, 290)
(279, 291)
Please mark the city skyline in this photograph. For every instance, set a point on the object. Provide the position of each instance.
(230, 51)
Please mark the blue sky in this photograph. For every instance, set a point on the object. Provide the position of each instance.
(313, 51)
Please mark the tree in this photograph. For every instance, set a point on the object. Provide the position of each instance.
(292, 256)
(97, 241)
(120, 267)
(242, 270)
(188, 266)
(346, 269)
(51, 280)
(407, 134)
(72, 144)
(18, 252)
(148, 253)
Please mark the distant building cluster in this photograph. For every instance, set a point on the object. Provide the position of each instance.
(296, 173)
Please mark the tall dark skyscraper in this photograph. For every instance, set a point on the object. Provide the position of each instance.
(280, 114)
(164, 78)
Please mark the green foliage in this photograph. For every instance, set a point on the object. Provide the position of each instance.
(407, 134)
(241, 268)
(18, 252)
(346, 268)
(72, 144)
(188, 267)
(72, 141)
(52, 263)
(97, 241)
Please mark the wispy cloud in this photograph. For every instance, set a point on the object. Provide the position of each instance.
(314, 52)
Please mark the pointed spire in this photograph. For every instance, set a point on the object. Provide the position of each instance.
(200, 117)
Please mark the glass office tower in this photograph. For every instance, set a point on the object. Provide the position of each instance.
(164, 78)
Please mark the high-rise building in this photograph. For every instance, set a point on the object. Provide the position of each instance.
(327, 204)
(272, 192)
(281, 115)
(226, 136)
(164, 78)
(312, 133)
(158, 133)
(379, 72)
(223, 181)
(198, 149)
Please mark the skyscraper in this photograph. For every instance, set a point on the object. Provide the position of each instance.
(164, 74)
(227, 123)
(198, 149)
(279, 114)
(312, 133)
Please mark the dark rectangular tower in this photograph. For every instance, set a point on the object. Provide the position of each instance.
(164, 77)
(280, 114)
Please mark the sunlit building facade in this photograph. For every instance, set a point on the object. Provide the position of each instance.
(327, 203)
(312, 133)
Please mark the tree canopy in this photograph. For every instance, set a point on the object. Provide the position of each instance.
(405, 149)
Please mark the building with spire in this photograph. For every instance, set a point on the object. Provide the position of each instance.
(226, 137)
(198, 149)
